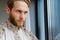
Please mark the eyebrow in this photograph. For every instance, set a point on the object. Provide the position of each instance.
(22, 10)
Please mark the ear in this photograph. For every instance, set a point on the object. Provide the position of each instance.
(7, 10)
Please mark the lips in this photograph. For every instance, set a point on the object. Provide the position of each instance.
(20, 20)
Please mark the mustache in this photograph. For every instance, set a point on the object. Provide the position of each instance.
(20, 19)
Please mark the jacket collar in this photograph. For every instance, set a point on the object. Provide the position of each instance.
(9, 25)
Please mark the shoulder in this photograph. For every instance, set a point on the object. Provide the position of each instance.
(57, 37)
(31, 34)
(1, 27)
(2, 30)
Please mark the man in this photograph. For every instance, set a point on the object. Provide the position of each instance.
(13, 28)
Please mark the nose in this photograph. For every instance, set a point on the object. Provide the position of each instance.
(22, 15)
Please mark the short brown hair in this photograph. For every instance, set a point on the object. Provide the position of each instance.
(10, 3)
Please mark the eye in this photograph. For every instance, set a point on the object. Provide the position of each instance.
(18, 11)
(25, 12)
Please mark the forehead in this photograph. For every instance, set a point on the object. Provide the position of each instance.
(20, 5)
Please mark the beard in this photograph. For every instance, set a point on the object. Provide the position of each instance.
(13, 21)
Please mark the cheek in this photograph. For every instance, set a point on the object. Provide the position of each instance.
(16, 16)
(25, 16)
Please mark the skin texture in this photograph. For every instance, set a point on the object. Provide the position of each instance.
(18, 13)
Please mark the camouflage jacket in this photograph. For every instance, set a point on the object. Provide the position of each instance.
(7, 29)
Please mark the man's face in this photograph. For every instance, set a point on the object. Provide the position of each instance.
(18, 13)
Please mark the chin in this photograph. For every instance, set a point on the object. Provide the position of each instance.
(21, 25)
